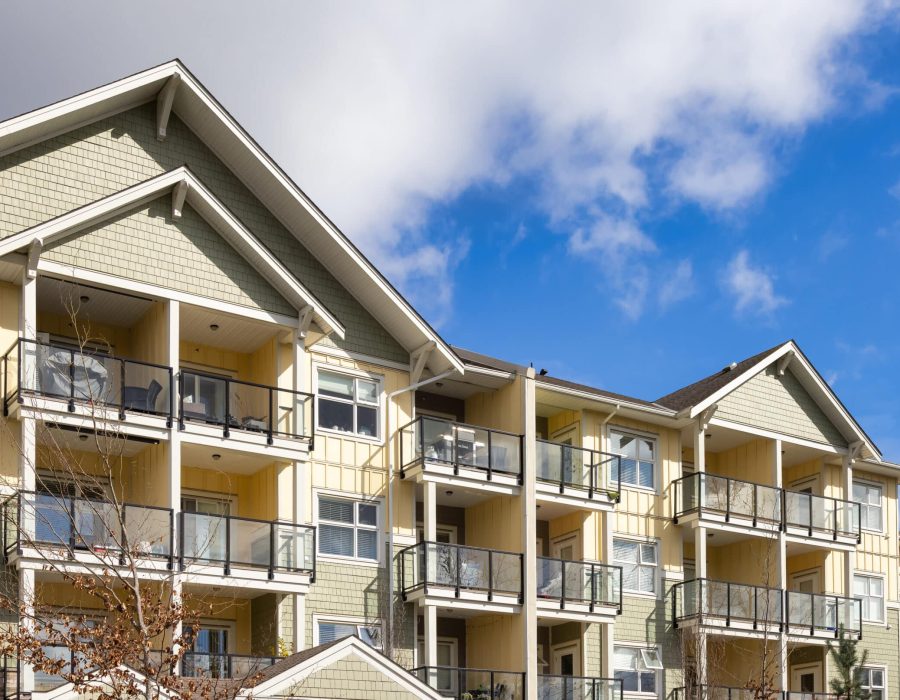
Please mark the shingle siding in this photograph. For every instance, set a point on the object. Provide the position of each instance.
(55, 176)
(350, 678)
(780, 404)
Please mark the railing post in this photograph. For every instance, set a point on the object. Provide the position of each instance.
(227, 519)
(728, 604)
(490, 574)
(72, 532)
(812, 615)
(727, 500)
(123, 535)
(593, 587)
(786, 597)
(181, 540)
(226, 431)
(755, 503)
(171, 539)
(834, 518)
(562, 461)
(521, 579)
(121, 389)
(783, 525)
(315, 552)
(272, 404)
(810, 530)
(71, 381)
(425, 545)
(271, 550)
(454, 451)
(181, 400)
(755, 607)
(458, 567)
(171, 398)
(490, 467)
(562, 597)
(522, 460)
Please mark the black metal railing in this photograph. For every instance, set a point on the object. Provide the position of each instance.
(235, 666)
(10, 677)
(727, 602)
(553, 687)
(568, 466)
(247, 406)
(435, 564)
(821, 612)
(583, 582)
(716, 692)
(473, 683)
(734, 498)
(53, 522)
(461, 446)
(82, 376)
(229, 541)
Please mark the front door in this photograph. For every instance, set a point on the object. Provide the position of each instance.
(806, 680)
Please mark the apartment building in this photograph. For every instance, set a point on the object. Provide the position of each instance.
(301, 447)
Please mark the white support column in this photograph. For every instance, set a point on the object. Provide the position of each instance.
(700, 552)
(850, 556)
(699, 448)
(28, 360)
(529, 534)
(607, 631)
(26, 599)
(781, 678)
(173, 360)
(429, 534)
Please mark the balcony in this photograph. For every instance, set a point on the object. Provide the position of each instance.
(728, 608)
(582, 591)
(432, 449)
(233, 666)
(472, 683)
(822, 615)
(713, 692)
(578, 688)
(69, 384)
(38, 526)
(576, 476)
(463, 578)
(254, 551)
(216, 406)
(744, 506)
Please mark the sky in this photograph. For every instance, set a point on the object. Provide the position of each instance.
(628, 194)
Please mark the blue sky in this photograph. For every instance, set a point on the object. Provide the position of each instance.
(630, 195)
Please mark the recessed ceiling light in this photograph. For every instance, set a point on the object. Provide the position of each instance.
(708, 436)
(216, 456)
(84, 298)
(82, 437)
(449, 493)
(213, 327)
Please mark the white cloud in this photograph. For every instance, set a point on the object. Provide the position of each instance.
(752, 287)
(382, 111)
(677, 285)
(894, 190)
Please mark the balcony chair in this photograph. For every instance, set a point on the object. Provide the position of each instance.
(137, 398)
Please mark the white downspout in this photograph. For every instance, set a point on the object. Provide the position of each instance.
(390, 450)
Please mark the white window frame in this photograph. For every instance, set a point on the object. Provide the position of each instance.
(355, 375)
(884, 679)
(657, 569)
(865, 506)
(453, 643)
(639, 649)
(869, 576)
(640, 434)
(346, 620)
(355, 499)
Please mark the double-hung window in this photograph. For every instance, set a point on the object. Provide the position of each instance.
(348, 528)
(870, 506)
(872, 679)
(871, 590)
(347, 404)
(329, 631)
(638, 459)
(639, 562)
(637, 669)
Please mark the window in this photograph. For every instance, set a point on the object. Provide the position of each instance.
(638, 463)
(348, 528)
(872, 679)
(632, 670)
(869, 498)
(871, 590)
(347, 404)
(638, 562)
(444, 678)
(330, 631)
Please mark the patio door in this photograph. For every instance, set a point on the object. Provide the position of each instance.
(570, 467)
(806, 681)
(565, 662)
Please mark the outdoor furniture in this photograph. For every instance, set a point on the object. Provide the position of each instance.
(136, 398)
(72, 374)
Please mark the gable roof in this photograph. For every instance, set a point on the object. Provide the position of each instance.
(692, 400)
(208, 206)
(176, 90)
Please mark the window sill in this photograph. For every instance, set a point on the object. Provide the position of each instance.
(375, 440)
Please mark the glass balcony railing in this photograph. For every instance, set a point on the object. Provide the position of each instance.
(47, 521)
(579, 468)
(434, 564)
(726, 602)
(461, 446)
(578, 688)
(713, 692)
(233, 666)
(246, 543)
(473, 683)
(580, 582)
(236, 405)
(82, 376)
(823, 613)
(733, 498)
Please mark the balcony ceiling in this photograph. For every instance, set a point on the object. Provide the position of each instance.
(103, 306)
(233, 333)
(66, 441)
(232, 461)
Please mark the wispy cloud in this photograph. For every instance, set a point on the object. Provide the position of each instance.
(751, 287)
(894, 190)
(678, 285)
(830, 243)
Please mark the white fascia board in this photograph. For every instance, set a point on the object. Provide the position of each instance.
(208, 206)
(608, 400)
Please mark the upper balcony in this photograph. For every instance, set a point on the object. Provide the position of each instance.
(718, 692)
(574, 477)
(81, 386)
(474, 683)
(744, 507)
(433, 449)
(740, 609)
(582, 591)
(463, 578)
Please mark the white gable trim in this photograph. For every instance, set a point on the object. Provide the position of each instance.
(67, 690)
(212, 124)
(348, 647)
(810, 380)
(208, 206)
